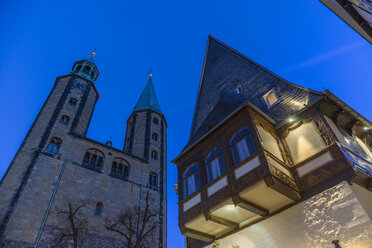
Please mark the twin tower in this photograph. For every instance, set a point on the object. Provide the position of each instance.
(57, 166)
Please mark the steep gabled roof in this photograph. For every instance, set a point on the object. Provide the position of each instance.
(148, 99)
(223, 70)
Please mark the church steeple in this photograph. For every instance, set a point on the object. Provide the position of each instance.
(148, 98)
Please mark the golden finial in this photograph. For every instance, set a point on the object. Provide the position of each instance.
(150, 75)
(93, 53)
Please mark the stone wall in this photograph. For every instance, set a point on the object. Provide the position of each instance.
(336, 213)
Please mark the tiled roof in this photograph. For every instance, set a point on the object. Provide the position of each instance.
(223, 70)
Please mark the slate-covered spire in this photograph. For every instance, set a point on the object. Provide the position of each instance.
(148, 98)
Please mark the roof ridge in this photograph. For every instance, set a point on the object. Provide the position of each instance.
(261, 66)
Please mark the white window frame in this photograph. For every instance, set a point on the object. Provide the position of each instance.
(267, 101)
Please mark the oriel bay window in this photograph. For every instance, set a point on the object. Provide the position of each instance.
(190, 180)
(214, 164)
(242, 145)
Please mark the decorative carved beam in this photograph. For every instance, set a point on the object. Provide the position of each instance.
(249, 206)
(221, 221)
(197, 235)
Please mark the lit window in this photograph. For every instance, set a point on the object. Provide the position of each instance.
(238, 89)
(215, 165)
(242, 145)
(54, 145)
(271, 98)
(72, 102)
(190, 180)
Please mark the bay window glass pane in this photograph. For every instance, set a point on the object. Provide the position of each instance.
(242, 149)
(191, 184)
(215, 168)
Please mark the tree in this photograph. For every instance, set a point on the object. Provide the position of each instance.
(136, 225)
(74, 223)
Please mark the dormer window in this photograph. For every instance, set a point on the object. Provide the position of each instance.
(238, 89)
(72, 102)
(271, 98)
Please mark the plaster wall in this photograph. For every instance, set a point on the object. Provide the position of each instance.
(336, 213)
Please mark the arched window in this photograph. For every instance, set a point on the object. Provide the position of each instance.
(93, 74)
(215, 165)
(72, 102)
(98, 209)
(78, 68)
(86, 69)
(120, 168)
(154, 155)
(155, 120)
(93, 159)
(54, 145)
(241, 145)
(154, 136)
(153, 180)
(190, 180)
(64, 120)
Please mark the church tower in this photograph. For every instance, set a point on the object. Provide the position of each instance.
(68, 109)
(58, 167)
(146, 138)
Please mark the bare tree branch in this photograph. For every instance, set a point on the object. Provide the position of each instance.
(136, 226)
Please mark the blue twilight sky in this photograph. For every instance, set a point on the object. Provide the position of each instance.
(302, 41)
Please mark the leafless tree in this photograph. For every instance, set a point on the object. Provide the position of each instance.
(136, 225)
(74, 224)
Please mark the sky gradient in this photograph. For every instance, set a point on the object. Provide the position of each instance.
(301, 41)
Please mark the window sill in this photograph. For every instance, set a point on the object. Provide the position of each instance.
(91, 167)
(118, 176)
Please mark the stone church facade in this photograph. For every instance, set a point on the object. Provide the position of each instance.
(271, 164)
(58, 164)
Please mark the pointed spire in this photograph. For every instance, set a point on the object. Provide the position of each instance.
(148, 98)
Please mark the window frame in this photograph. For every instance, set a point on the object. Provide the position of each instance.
(241, 134)
(190, 171)
(215, 153)
(265, 97)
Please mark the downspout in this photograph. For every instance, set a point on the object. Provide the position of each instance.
(53, 195)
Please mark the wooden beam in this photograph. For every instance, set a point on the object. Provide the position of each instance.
(238, 201)
(284, 189)
(220, 221)
(198, 235)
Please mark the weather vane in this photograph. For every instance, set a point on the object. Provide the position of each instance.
(150, 75)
